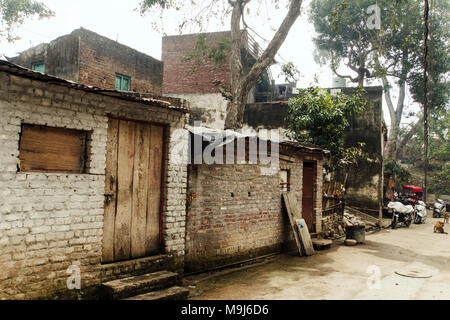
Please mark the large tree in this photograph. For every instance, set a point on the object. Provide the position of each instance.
(392, 53)
(14, 12)
(242, 80)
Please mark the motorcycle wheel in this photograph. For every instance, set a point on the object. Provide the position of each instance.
(436, 215)
(408, 221)
(418, 219)
(394, 223)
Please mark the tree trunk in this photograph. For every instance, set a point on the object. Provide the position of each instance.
(404, 142)
(241, 83)
(392, 140)
(395, 114)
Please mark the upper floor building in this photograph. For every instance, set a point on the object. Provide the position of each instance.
(89, 58)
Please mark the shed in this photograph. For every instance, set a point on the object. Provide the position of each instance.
(235, 210)
(89, 180)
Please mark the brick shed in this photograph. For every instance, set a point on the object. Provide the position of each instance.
(235, 211)
(89, 178)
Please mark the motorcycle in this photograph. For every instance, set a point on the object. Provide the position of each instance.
(421, 212)
(439, 208)
(401, 214)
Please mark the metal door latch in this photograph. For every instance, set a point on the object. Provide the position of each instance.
(109, 197)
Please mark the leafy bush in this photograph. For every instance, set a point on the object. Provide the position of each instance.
(319, 118)
(392, 168)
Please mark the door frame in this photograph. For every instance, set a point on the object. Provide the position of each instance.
(165, 127)
(314, 189)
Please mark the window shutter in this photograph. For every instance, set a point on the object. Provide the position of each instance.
(53, 150)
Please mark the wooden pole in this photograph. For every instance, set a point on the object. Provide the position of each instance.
(425, 97)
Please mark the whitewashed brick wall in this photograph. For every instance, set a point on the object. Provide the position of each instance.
(51, 221)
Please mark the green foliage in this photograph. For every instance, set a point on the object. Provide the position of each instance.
(319, 118)
(341, 31)
(218, 53)
(439, 60)
(440, 181)
(147, 5)
(400, 174)
(439, 123)
(439, 153)
(290, 72)
(14, 12)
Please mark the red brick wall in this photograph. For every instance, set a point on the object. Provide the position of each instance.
(180, 77)
(102, 58)
(222, 228)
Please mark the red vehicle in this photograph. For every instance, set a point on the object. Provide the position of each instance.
(412, 194)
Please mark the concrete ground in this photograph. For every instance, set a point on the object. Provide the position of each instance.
(344, 273)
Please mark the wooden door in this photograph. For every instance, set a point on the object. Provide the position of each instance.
(308, 193)
(134, 176)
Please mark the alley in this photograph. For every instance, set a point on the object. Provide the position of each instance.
(345, 272)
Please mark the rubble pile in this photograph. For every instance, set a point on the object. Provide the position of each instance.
(350, 220)
(333, 227)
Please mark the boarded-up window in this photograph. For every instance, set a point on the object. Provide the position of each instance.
(48, 149)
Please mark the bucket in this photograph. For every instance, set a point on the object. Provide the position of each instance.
(357, 233)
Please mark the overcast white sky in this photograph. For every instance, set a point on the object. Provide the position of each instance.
(118, 20)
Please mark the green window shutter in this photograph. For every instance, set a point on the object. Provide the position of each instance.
(38, 67)
(126, 84)
(122, 82)
(118, 82)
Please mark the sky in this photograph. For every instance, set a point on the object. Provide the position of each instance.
(119, 20)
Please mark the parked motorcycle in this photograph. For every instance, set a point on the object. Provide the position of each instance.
(439, 208)
(401, 214)
(421, 212)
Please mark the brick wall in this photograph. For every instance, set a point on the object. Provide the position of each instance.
(236, 214)
(89, 58)
(51, 221)
(101, 58)
(179, 75)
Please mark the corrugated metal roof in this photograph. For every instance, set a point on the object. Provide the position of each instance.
(163, 102)
(230, 135)
(305, 146)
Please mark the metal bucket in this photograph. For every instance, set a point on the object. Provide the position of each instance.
(357, 233)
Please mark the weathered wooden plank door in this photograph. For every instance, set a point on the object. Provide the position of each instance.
(134, 176)
(308, 193)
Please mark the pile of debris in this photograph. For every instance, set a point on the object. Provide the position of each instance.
(352, 221)
(333, 227)
(354, 217)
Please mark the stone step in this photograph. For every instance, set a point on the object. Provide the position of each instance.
(173, 293)
(133, 286)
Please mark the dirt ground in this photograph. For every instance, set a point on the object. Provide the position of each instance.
(344, 273)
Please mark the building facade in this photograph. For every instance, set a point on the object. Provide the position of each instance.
(235, 211)
(196, 79)
(89, 179)
(91, 59)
